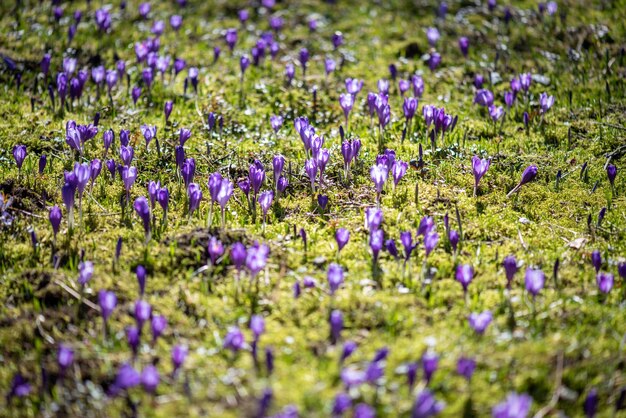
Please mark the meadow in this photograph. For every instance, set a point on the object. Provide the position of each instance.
(270, 208)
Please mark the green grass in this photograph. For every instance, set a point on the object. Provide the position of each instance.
(569, 323)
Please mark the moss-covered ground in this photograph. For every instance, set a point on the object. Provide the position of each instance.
(555, 347)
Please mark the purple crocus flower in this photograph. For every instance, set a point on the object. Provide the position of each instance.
(480, 321)
(430, 242)
(158, 324)
(329, 66)
(127, 377)
(234, 339)
(430, 363)
(335, 277)
(129, 175)
(596, 260)
(55, 219)
(354, 86)
(276, 121)
(373, 218)
(465, 367)
(432, 34)
(525, 79)
(496, 112)
(179, 354)
(383, 86)
(194, 194)
(464, 45)
(404, 86)
(605, 282)
(346, 101)
(514, 406)
(65, 357)
(149, 133)
(19, 387)
(509, 98)
(303, 57)
(150, 378)
(590, 406)
(143, 312)
(176, 21)
(406, 237)
(464, 275)
(144, 10)
(363, 410)
(484, 98)
(290, 72)
(310, 167)
(398, 170)
(257, 325)
(143, 211)
(341, 404)
(107, 302)
(528, 175)
(376, 242)
(256, 258)
(378, 174)
(73, 137)
(434, 60)
(19, 154)
(43, 160)
(141, 278)
(103, 20)
(409, 107)
(479, 80)
(479, 168)
(611, 173)
(510, 268)
(545, 102)
(342, 236)
(85, 271)
(534, 281)
(426, 406)
(418, 85)
(336, 325)
(265, 201)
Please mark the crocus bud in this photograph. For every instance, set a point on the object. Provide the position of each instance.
(234, 339)
(143, 312)
(342, 236)
(336, 325)
(141, 278)
(55, 219)
(596, 260)
(158, 325)
(465, 367)
(464, 45)
(42, 163)
(464, 275)
(143, 211)
(150, 378)
(430, 363)
(611, 172)
(65, 357)
(480, 321)
(19, 154)
(335, 277)
(510, 268)
(590, 405)
(605, 282)
(534, 281)
(133, 337)
(167, 109)
(179, 354)
(107, 301)
(85, 271)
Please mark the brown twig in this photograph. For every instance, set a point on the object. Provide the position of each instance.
(557, 391)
